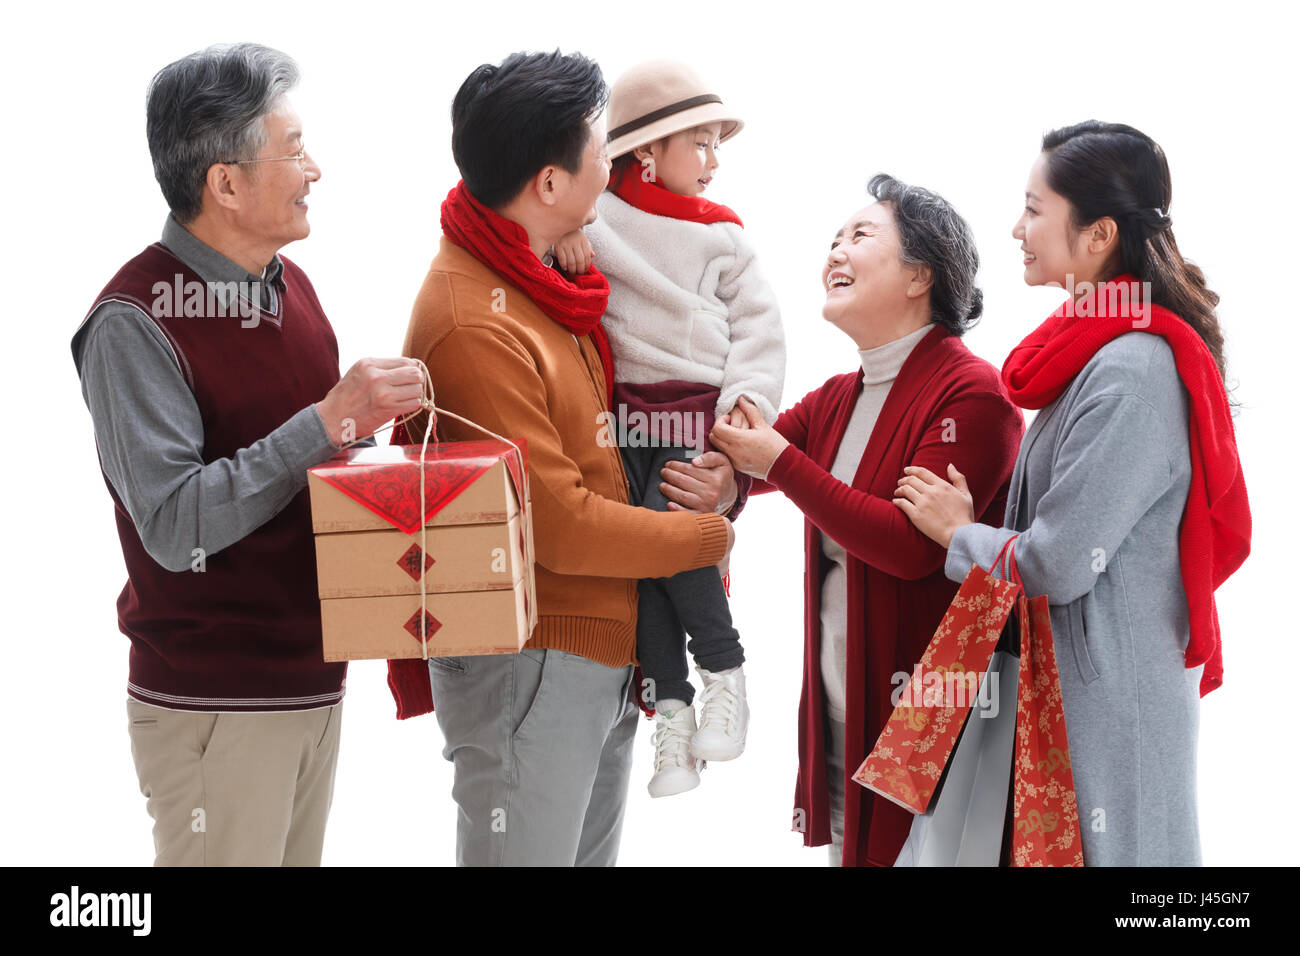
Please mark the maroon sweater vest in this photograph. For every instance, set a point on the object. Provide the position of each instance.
(244, 634)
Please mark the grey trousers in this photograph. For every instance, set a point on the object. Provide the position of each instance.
(835, 788)
(541, 742)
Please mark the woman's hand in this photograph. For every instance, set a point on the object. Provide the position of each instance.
(936, 507)
(707, 483)
(573, 252)
(751, 450)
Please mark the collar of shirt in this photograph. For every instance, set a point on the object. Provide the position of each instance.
(214, 268)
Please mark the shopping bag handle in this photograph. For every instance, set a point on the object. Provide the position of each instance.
(997, 566)
(1013, 569)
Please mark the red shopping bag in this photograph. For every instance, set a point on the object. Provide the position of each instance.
(1046, 812)
(919, 738)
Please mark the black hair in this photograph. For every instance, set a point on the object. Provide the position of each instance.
(1113, 170)
(931, 233)
(621, 167)
(532, 110)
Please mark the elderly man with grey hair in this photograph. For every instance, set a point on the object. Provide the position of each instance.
(212, 378)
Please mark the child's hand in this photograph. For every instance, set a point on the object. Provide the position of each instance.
(752, 450)
(736, 418)
(573, 252)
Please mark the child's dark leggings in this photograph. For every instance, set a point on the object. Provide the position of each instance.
(692, 602)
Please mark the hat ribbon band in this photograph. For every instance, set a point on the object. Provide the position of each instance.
(660, 113)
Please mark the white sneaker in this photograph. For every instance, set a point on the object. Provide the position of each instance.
(676, 770)
(724, 715)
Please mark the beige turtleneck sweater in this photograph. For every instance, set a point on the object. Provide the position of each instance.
(880, 366)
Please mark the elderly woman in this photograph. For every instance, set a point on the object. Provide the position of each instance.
(899, 282)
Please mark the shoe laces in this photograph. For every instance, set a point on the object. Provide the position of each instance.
(672, 745)
(719, 702)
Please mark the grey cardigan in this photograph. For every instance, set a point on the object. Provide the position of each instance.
(1097, 496)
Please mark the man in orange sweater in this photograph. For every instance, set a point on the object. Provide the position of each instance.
(542, 740)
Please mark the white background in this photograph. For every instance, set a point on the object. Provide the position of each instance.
(954, 98)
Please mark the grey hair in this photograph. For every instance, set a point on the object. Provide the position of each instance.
(931, 233)
(208, 108)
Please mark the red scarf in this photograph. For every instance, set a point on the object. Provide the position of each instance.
(577, 303)
(1215, 535)
(656, 198)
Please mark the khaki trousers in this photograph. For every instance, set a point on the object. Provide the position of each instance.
(236, 789)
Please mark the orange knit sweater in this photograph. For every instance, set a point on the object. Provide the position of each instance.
(498, 360)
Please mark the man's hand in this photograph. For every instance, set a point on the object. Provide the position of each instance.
(372, 393)
(752, 450)
(706, 484)
(573, 252)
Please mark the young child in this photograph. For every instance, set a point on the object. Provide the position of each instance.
(693, 326)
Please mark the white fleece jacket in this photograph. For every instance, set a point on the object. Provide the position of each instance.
(688, 302)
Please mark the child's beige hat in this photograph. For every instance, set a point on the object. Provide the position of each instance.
(659, 98)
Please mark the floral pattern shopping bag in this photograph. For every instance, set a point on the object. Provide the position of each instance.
(1045, 808)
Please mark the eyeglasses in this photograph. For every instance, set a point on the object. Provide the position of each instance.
(300, 156)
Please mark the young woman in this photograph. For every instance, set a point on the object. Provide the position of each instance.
(900, 282)
(1127, 504)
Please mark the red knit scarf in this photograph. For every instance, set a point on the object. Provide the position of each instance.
(656, 198)
(1215, 535)
(576, 302)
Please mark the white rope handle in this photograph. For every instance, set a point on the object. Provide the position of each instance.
(427, 405)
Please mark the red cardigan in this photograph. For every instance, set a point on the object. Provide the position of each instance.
(947, 405)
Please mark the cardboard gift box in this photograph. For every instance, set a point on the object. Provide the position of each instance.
(468, 562)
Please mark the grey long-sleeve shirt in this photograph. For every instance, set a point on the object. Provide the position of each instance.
(150, 434)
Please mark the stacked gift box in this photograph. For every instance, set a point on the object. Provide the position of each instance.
(470, 553)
